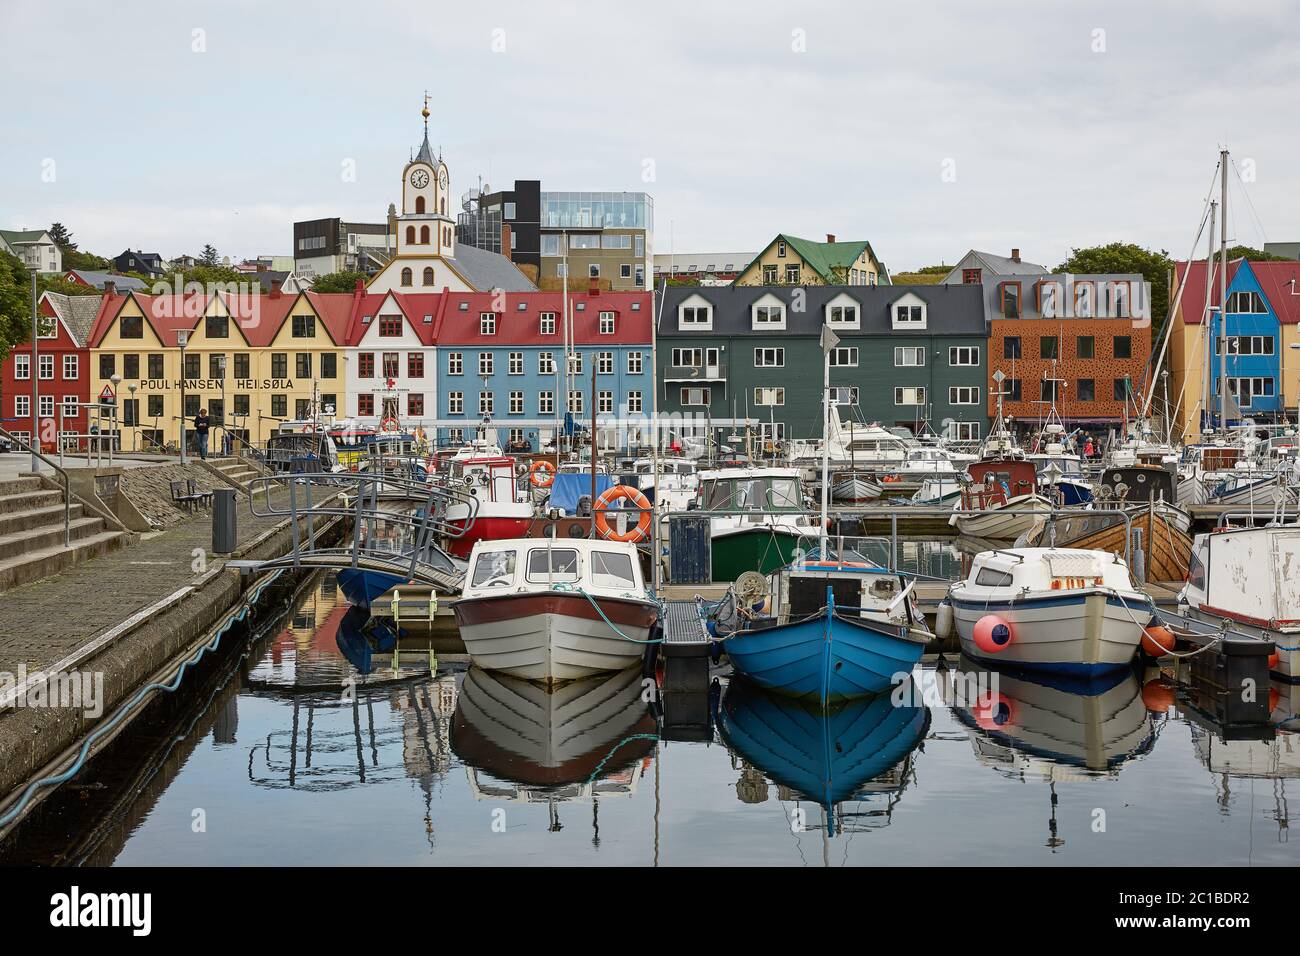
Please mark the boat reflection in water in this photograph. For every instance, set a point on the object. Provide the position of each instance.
(526, 741)
(853, 751)
(1059, 728)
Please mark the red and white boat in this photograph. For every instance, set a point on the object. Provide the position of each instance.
(504, 510)
(553, 611)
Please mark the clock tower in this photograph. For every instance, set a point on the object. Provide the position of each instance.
(425, 229)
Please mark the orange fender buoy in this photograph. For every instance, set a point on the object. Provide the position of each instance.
(994, 712)
(1157, 696)
(535, 476)
(608, 497)
(992, 634)
(1157, 641)
(1273, 660)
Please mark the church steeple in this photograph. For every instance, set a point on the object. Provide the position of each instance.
(425, 155)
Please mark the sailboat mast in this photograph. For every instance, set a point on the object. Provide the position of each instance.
(1207, 332)
(1223, 289)
(826, 443)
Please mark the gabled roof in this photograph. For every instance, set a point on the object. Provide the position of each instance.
(486, 270)
(76, 312)
(951, 309)
(517, 327)
(1280, 282)
(997, 265)
(335, 311)
(22, 236)
(825, 257)
(413, 307)
(97, 279)
(1192, 305)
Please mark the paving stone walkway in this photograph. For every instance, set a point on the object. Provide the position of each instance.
(42, 622)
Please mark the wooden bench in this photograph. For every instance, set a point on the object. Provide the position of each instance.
(183, 496)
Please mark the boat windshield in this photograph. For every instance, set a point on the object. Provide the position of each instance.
(548, 565)
(612, 569)
(493, 566)
(755, 494)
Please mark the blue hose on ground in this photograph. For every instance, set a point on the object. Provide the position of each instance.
(121, 712)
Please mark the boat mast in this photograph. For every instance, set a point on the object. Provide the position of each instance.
(829, 341)
(1223, 290)
(1207, 336)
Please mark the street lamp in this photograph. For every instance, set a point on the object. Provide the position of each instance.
(36, 387)
(116, 380)
(136, 420)
(182, 339)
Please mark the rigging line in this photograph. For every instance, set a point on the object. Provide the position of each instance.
(1250, 204)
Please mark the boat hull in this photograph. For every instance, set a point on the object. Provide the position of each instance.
(854, 490)
(361, 587)
(485, 529)
(763, 548)
(1003, 522)
(1168, 551)
(825, 659)
(1285, 643)
(554, 636)
(1082, 632)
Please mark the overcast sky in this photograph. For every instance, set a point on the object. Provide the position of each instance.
(927, 128)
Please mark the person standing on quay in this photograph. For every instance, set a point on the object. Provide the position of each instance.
(201, 426)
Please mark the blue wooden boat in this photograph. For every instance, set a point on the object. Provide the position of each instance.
(826, 755)
(831, 656)
(359, 636)
(361, 587)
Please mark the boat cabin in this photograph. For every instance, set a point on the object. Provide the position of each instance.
(600, 568)
(1020, 570)
(1139, 483)
(996, 481)
(765, 490)
(488, 479)
(1246, 575)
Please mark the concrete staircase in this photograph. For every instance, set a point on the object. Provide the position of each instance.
(238, 471)
(31, 533)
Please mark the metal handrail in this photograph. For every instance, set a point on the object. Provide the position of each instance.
(67, 487)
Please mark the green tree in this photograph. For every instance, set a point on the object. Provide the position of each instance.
(1253, 254)
(76, 259)
(15, 302)
(62, 238)
(337, 282)
(209, 257)
(1127, 257)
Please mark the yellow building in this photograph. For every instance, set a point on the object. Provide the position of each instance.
(253, 361)
(789, 260)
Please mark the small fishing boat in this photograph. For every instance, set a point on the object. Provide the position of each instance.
(1251, 489)
(1167, 550)
(767, 519)
(395, 540)
(677, 486)
(1247, 578)
(501, 507)
(827, 756)
(1140, 484)
(938, 492)
(831, 626)
(1062, 474)
(852, 488)
(1062, 609)
(553, 611)
(1003, 494)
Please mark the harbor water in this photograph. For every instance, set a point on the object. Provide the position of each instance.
(289, 756)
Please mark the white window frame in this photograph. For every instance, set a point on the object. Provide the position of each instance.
(546, 323)
(763, 353)
(963, 394)
(71, 367)
(606, 323)
(22, 367)
(634, 403)
(22, 406)
(964, 431)
(604, 363)
(546, 403)
(844, 356)
(487, 323)
(901, 395)
(486, 364)
(605, 402)
(545, 363)
(955, 352)
(46, 406)
(769, 395)
(455, 363)
(486, 403)
(516, 403)
(455, 403)
(576, 402)
(915, 352)
(767, 313)
(687, 396)
(635, 363)
(515, 363)
(45, 367)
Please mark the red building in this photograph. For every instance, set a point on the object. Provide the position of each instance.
(61, 374)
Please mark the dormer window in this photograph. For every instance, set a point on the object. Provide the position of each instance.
(463, 306)
(842, 312)
(767, 313)
(1050, 300)
(1009, 303)
(695, 313)
(909, 312)
(487, 323)
(521, 307)
(1083, 300)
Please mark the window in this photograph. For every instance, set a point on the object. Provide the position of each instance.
(990, 578)
(131, 327)
(575, 402)
(688, 358)
(486, 364)
(769, 396)
(593, 271)
(329, 365)
(634, 402)
(70, 370)
(22, 406)
(1049, 347)
(1011, 389)
(47, 406)
(612, 569)
(575, 363)
(607, 323)
(366, 404)
(909, 315)
(605, 402)
(487, 323)
(552, 564)
(241, 405)
(545, 363)
(547, 320)
(695, 396)
(971, 276)
(780, 249)
(545, 403)
(1011, 347)
(107, 365)
(909, 396)
(604, 363)
(624, 270)
(844, 395)
(241, 365)
(769, 275)
(696, 315)
(1250, 302)
(1123, 347)
(963, 395)
(427, 276)
(130, 410)
(216, 326)
(406, 273)
(634, 364)
(390, 326)
(769, 315)
(415, 404)
(516, 403)
(1245, 345)
(455, 403)
(455, 363)
(301, 365)
(1246, 390)
(279, 406)
(391, 364)
(47, 327)
(45, 367)
(964, 355)
(908, 356)
(192, 368)
(843, 315)
(792, 274)
(23, 366)
(156, 406)
(486, 403)
(1049, 299)
(1086, 346)
(1049, 390)
(366, 365)
(844, 357)
(515, 363)
(1085, 390)
(301, 409)
(1010, 302)
(1083, 294)
(279, 364)
(769, 358)
(304, 326)
(964, 431)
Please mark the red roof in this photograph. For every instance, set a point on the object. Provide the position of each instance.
(1193, 303)
(515, 326)
(1280, 282)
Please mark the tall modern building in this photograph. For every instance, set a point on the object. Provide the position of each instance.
(322, 246)
(507, 221)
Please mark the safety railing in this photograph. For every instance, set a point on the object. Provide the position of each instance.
(67, 488)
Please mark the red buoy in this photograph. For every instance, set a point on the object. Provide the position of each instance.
(992, 634)
(1157, 641)
(1273, 660)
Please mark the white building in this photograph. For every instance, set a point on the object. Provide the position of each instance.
(35, 247)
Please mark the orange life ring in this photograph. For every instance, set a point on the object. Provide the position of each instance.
(613, 494)
(384, 425)
(539, 480)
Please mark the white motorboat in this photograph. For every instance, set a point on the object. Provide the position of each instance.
(938, 492)
(1059, 609)
(1248, 488)
(1001, 501)
(678, 483)
(851, 445)
(500, 509)
(552, 611)
(854, 488)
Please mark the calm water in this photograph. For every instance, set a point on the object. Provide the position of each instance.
(280, 766)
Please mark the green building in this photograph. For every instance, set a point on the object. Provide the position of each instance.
(908, 356)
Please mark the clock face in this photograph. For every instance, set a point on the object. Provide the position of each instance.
(420, 178)
(442, 177)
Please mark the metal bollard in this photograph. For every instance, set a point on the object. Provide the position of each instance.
(224, 526)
